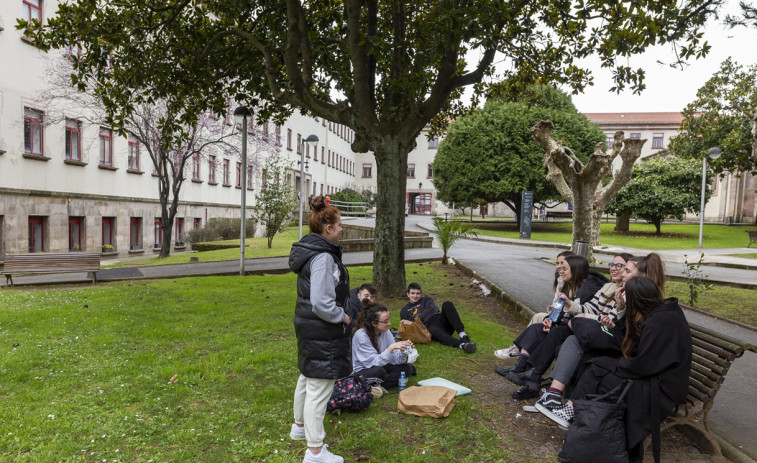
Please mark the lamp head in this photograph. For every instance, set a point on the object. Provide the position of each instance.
(312, 140)
(714, 153)
(240, 113)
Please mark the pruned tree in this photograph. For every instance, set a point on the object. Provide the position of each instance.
(276, 199)
(582, 184)
(385, 69)
(661, 188)
(170, 142)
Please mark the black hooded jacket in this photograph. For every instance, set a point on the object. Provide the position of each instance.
(323, 348)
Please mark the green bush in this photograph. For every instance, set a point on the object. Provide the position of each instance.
(221, 229)
(347, 195)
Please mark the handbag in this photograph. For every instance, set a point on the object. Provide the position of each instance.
(416, 332)
(351, 393)
(433, 401)
(598, 431)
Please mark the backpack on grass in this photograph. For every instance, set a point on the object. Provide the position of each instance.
(351, 393)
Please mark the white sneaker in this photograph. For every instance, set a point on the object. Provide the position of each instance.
(508, 353)
(297, 432)
(323, 457)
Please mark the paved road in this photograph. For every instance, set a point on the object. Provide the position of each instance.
(520, 271)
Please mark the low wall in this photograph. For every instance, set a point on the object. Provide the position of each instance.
(361, 238)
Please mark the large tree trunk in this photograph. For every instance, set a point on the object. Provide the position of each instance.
(623, 222)
(389, 252)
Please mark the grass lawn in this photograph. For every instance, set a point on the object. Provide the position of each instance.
(746, 255)
(254, 247)
(732, 303)
(675, 235)
(85, 376)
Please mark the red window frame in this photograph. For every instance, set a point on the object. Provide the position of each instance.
(107, 231)
(635, 135)
(239, 174)
(299, 143)
(265, 131)
(430, 171)
(433, 143)
(133, 160)
(74, 234)
(411, 171)
(249, 177)
(226, 172)
(197, 223)
(33, 125)
(178, 227)
(657, 140)
(73, 140)
(278, 135)
(30, 7)
(106, 147)
(212, 170)
(289, 139)
(36, 221)
(135, 233)
(610, 141)
(196, 167)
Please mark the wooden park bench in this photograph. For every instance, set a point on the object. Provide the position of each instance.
(558, 215)
(39, 263)
(752, 237)
(713, 354)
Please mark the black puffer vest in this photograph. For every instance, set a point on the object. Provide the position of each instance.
(323, 348)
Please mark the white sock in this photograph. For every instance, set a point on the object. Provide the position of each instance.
(461, 334)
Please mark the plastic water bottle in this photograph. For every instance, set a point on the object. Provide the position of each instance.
(402, 383)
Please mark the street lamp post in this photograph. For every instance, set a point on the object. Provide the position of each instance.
(240, 115)
(714, 153)
(312, 142)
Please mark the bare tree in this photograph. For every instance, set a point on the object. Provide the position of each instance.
(581, 184)
(170, 143)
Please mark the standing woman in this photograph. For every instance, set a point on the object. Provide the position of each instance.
(320, 322)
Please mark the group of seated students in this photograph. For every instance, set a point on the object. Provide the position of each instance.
(625, 329)
(376, 354)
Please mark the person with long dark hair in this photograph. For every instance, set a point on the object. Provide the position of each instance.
(657, 353)
(321, 324)
(375, 354)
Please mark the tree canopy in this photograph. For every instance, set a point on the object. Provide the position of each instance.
(722, 115)
(661, 188)
(489, 155)
(383, 68)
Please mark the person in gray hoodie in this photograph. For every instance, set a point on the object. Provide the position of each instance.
(321, 324)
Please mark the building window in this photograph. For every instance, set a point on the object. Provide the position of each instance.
(610, 141)
(197, 223)
(109, 225)
(37, 234)
(433, 143)
(299, 144)
(135, 233)
(178, 228)
(196, 167)
(73, 140)
(239, 175)
(367, 170)
(106, 147)
(278, 135)
(411, 171)
(75, 234)
(323, 122)
(72, 51)
(157, 233)
(212, 170)
(635, 135)
(289, 139)
(265, 131)
(315, 153)
(32, 9)
(249, 177)
(657, 140)
(226, 173)
(430, 171)
(33, 131)
(133, 161)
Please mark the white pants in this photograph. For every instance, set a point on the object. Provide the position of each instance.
(310, 399)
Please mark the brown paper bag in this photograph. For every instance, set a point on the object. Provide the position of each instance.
(433, 401)
(417, 332)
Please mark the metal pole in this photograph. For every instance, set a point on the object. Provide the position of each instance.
(701, 207)
(302, 179)
(244, 197)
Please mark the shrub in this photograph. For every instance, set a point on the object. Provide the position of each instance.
(219, 229)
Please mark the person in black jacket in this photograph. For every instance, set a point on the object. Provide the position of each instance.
(321, 324)
(439, 323)
(359, 297)
(539, 344)
(656, 357)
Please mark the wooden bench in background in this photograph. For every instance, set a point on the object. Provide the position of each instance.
(752, 237)
(713, 354)
(40, 262)
(558, 215)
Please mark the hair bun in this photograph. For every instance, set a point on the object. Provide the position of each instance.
(318, 203)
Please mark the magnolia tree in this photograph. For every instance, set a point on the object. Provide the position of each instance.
(582, 184)
(385, 69)
(175, 147)
(275, 201)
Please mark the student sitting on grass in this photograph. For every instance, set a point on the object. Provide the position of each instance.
(441, 324)
(656, 356)
(374, 352)
(359, 297)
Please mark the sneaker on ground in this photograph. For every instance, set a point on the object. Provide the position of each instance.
(297, 432)
(323, 457)
(465, 338)
(562, 415)
(508, 353)
(549, 400)
(468, 347)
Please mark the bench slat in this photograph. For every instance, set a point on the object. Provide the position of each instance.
(45, 263)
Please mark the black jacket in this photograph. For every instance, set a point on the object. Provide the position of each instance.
(659, 368)
(425, 308)
(594, 282)
(323, 348)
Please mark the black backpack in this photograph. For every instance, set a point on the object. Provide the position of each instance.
(351, 393)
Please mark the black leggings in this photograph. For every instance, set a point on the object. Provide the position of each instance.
(442, 325)
(389, 374)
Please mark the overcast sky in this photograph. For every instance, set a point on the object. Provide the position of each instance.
(671, 89)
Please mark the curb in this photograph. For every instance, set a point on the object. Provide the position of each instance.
(731, 452)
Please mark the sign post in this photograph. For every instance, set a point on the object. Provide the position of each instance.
(526, 214)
